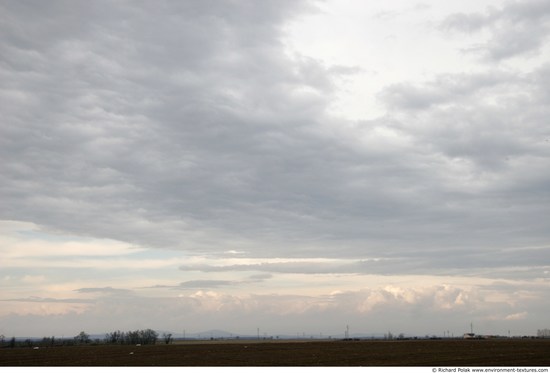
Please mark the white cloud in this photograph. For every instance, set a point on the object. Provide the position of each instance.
(27, 240)
(516, 316)
(433, 307)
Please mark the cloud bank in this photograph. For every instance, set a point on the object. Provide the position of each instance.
(153, 144)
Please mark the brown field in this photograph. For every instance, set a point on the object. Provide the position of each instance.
(528, 352)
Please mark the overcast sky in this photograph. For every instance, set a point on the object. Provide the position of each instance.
(293, 166)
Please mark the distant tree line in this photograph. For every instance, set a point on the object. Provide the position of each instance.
(144, 337)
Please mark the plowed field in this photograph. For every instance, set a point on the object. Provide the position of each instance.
(287, 353)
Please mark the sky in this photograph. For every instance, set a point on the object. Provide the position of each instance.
(283, 167)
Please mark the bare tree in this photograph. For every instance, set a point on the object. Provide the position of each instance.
(167, 338)
(116, 337)
(82, 337)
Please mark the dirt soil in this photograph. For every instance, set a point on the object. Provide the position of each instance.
(529, 352)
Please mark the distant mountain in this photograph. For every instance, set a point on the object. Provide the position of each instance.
(207, 334)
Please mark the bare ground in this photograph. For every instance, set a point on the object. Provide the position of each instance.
(514, 352)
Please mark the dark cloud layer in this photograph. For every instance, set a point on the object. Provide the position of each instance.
(521, 263)
(186, 125)
(105, 291)
(48, 300)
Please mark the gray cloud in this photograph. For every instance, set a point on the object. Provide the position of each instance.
(185, 116)
(479, 118)
(526, 263)
(517, 28)
(305, 267)
(48, 300)
(465, 22)
(448, 89)
(104, 290)
(260, 276)
(187, 126)
(490, 132)
(210, 284)
(202, 284)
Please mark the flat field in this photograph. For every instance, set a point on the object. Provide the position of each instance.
(514, 352)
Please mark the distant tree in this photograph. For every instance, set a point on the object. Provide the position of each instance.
(12, 342)
(82, 338)
(47, 341)
(149, 336)
(167, 338)
(116, 337)
(132, 337)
